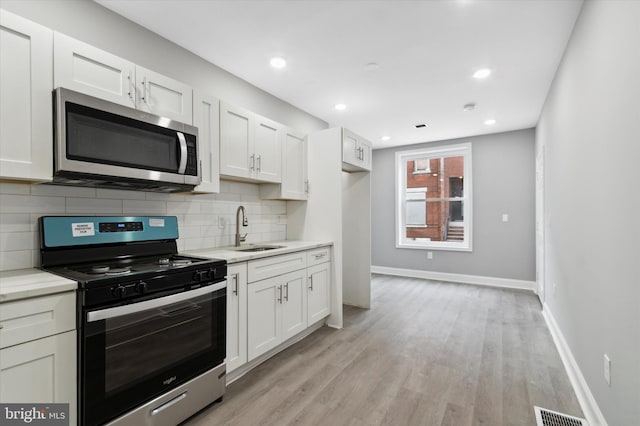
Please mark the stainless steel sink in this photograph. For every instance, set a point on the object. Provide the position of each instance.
(259, 248)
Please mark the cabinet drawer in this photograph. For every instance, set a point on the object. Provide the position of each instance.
(317, 256)
(25, 320)
(276, 265)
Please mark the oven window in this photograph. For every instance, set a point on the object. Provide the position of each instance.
(137, 345)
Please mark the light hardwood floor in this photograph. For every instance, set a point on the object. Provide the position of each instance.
(427, 353)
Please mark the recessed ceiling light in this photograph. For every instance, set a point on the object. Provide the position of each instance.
(372, 66)
(278, 62)
(420, 126)
(385, 138)
(482, 73)
(490, 122)
(340, 107)
(469, 107)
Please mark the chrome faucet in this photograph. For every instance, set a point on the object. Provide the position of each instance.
(245, 222)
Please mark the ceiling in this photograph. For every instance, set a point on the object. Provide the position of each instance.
(424, 55)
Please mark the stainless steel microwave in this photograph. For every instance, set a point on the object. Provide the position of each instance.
(100, 143)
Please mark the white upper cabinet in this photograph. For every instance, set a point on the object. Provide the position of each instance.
(356, 152)
(295, 184)
(163, 96)
(81, 67)
(267, 149)
(236, 141)
(26, 82)
(206, 118)
(84, 68)
(250, 145)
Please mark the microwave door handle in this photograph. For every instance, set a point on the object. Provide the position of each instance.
(183, 153)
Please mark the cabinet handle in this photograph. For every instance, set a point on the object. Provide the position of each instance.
(144, 90)
(311, 286)
(252, 162)
(259, 162)
(286, 292)
(319, 256)
(235, 282)
(280, 294)
(306, 186)
(131, 87)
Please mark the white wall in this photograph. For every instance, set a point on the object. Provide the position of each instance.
(590, 127)
(503, 182)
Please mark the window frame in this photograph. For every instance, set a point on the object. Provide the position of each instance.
(401, 158)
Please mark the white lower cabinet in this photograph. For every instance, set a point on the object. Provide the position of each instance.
(319, 287)
(41, 371)
(285, 294)
(38, 355)
(264, 316)
(277, 310)
(236, 315)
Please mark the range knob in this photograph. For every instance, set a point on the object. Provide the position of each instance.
(119, 292)
(141, 287)
(201, 275)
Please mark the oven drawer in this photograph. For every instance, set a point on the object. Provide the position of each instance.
(29, 319)
(276, 265)
(318, 256)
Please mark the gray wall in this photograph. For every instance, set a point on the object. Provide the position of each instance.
(98, 26)
(590, 128)
(503, 182)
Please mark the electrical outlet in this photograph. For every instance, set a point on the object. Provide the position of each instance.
(429, 255)
(607, 369)
(505, 217)
(221, 222)
(554, 288)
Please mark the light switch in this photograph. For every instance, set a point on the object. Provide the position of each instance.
(505, 217)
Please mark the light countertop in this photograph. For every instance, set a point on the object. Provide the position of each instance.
(24, 283)
(232, 255)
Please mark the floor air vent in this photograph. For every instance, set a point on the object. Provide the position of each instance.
(546, 417)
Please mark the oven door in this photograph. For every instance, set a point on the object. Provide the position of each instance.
(137, 351)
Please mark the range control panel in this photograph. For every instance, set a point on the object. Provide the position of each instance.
(120, 226)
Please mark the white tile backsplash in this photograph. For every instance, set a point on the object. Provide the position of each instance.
(21, 204)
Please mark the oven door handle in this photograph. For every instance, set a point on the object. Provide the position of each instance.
(131, 308)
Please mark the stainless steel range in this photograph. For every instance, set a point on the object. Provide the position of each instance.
(152, 322)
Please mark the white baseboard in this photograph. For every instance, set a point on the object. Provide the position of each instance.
(456, 278)
(587, 402)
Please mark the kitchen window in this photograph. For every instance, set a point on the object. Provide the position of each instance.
(433, 198)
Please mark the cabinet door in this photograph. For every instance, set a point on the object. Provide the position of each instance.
(319, 285)
(41, 371)
(163, 96)
(350, 153)
(236, 315)
(236, 141)
(264, 316)
(294, 165)
(267, 150)
(26, 82)
(294, 303)
(206, 117)
(365, 154)
(81, 67)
